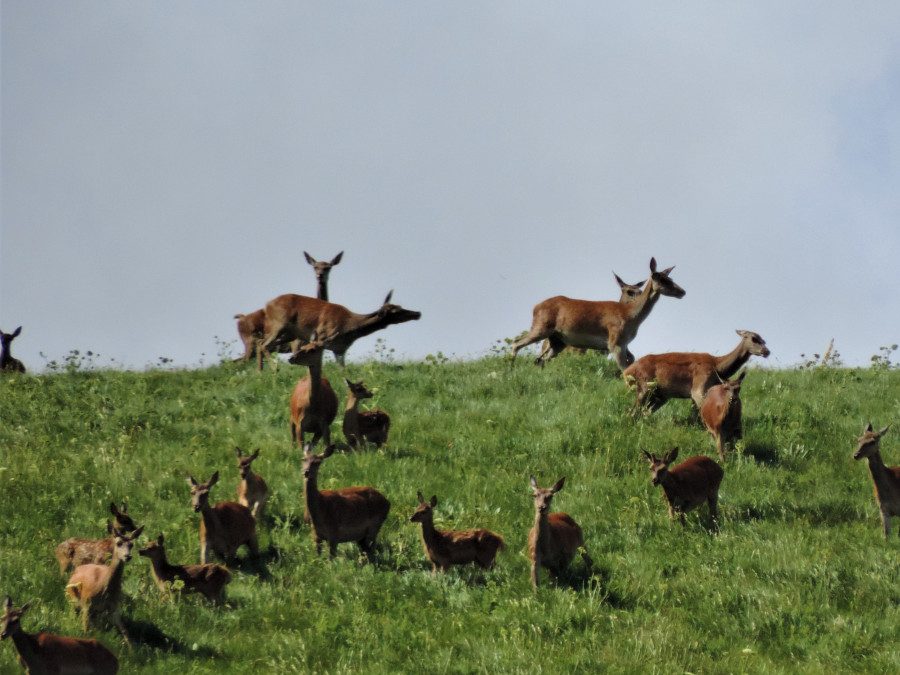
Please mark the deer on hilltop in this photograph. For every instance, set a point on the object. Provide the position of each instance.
(209, 580)
(688, 485)
(313, 402)
(322, 270)
(721, 412)
(555, 537)
(224, 527)
(368, 426)
(885, 479)
(74, 552)
(8, 364)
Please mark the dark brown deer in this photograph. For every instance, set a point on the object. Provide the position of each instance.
(721, 413)
(885, 479)
(369, 426)
(686, 486)
(313, 402)
(555, 537)
(209, 580)
(224, 527)
(74, 552)
(322, 270)
(252, 491)
(8, 364)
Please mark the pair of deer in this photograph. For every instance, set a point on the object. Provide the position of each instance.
(8, 364)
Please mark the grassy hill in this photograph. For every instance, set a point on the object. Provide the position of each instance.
(798, 578)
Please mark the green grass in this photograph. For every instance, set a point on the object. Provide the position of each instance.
(798, 579)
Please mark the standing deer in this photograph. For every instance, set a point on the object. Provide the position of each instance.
(322, 270)
(721, 412)
(555, 537)
(224, 527)
(8, 364)
(209, 579)
(49, 654)
(368, 426)
(885, 479)
(74, 552)
(313, 402)
(686, 486)
(454, 547)
(605, 326)
(252, 491)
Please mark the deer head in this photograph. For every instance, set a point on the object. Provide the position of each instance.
(312, 462)
(7, 338)
(244, 462)
(123, 521)
(543, 496)
(200, 491)
(154, 549)
(425, 510)
(322, 268)
(9, 624)
(124, 544)
(358, 389)
(629, 291)
(662, 283)
(869, 442)
(753, 343)
(393, 314)
(309, 354)
(659, 466)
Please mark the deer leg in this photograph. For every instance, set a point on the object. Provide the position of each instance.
(529, 339)
(318, 546)
(253, 545)
(714, 510)
(886, 523)
(621, 354)
(332, 549)
(554, 345)
(720, 447)
(587, 559)
(535, 571)
(203, 551)
(117, 620)
(339, 358)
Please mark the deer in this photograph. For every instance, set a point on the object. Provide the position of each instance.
(209, 579)
(224, 527)
(658, 377)
(721, 412)
(50, 654)
(688, 485)
(8, 364)
(96, 590)
(252, 491)
(322, 270)
(73, 552)
(251, 330)
(338, 516)
(555, 537)
(454, 547)
(608, 327)
(368, 426)
(313, 402)
(885, 479)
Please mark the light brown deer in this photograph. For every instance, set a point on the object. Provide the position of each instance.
(454, 547)
(658, 377)
(73, 552)
(721, 413)
(555, 537)
(369, 426)
(49, 654)
(337, 516)
(885, 479)
(209, 579)
(686, 486)
(313, 402)
(322, 270)
(252, 491)
(252, 329)
(224, 527)
(8, 364)
(605, 326)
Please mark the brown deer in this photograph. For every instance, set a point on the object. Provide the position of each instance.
(97, 589)
(605, 326)
(454, 547)
(74, 552)
(658, 377)
(8, 364)
(252, 329)
(49, 654)
(555, 537)
(721, 412)
(209, 579)
(368, 426)
(313, 402)
(686, 486)
(337, 516)
(224, 527)
(885, 479)
(322, 270)
(252, 491)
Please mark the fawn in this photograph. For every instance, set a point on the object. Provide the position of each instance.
(688, 485)
(209, 579)
(8, 364)
(252, 490)
(885, 479)
(555, 537)
(368, 426)
(224, 527)
(74, 552)
(721, 412)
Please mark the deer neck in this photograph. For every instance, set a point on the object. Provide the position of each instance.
(315, 381)
(116, 572)
(5, 356)
(730, 363)
(642, 306)
(879, 472)
(429, 534)
(360, 325)
(27, 646)
(311, 495)
(162, 570)
(322, 293)
(540, 525)
(210, 519)
(351, 416)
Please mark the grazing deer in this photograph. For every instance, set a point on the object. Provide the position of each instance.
(721, 412)
(49, 654)
(208, 579)
(8, 364)
(605, 326)
(313, 402)
(555, 537)
(97, 589)
(338, 516)
(74, 552)
(252, 491)
(885, 479)
(454, 547)
(688, 485)
(322, 270)
(658, 377)
(368, 426)
(224, 527)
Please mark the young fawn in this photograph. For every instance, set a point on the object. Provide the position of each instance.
(209, 579)
(74, 552)
(46, 653)
(555, 537)
(313, 402)
(885, 479)
(8, 364)
(688, 485)
(454, 547)
(224, 527)
(252, 490)
(721, 412)
(368, 426)
(337, 516)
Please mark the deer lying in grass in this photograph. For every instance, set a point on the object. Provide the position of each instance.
(49, 654)
(454, 547)
(368, 426)
(8, 364)
(686, 486)
(252, 491)
(337, 516)
(605, 326)
(313, 402)
(224, 527)
(73, 552)
(97, 589)
(555, 537)
(209, 580)
(885, 479)
(721, 412)
(658, 377)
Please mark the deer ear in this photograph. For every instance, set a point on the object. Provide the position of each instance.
(190, 481)
(238, 452)
(387, 298)
(883, 431)
(673, 453)
(433, 501)
(309, 258)
(109, 527)
(337, 258)
(213, 479)
(160, 539)
(255, 454)
(533, 483)
(420, 497)
(113, 509)
(137, 533)
(558, 485)
(647, 456)
(868, 428)
(16, 332)
(7, 604)
(668, 270)
(653, 264)
(24, 608)
(619, 281)
(349, 383)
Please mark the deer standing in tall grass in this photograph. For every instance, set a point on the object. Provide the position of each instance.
(209, 579)
(688, 485)
(225, 527)
(8, 364)
(313, 402)
(555, 537)
(73, 552)
(885, 479)
(721, 413)
(252, 491)
(369, 426)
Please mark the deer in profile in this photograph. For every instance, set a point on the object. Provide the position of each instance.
(74, 552)
(608, 327)
(555, 537)
(252, 491)
(46, 653)
(721, 412)
(347, 514)
(313, 402)
(361, 427)
(8, 364)
(885, 479)
(454, 547)
(225, 527)
(658, 377)
(689, 484)
(209, 579)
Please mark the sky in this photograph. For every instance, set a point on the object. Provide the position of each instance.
(165, 165)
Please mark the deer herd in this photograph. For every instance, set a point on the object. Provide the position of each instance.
(306, 327)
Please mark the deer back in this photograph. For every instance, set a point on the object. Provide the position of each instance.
(228, 524)
(74, 552)
(694, 480)
(301, 316)
(324, 408)
(675, 373)
(59, 654)
(347, 513)
(91, 581)
(556, 539)
(721, 411)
